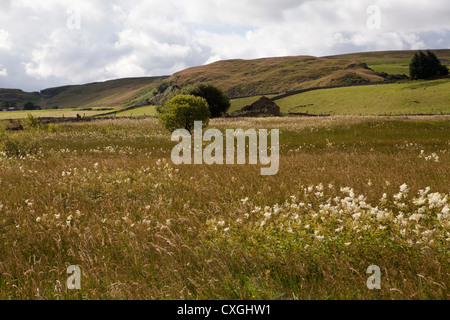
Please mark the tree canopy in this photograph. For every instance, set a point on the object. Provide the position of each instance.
(182, 111)
(427, 66)
(218, 102)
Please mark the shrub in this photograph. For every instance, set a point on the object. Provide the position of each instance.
(19, 144)
(31, 122)
(182, 111)
(218, 102)
(426, 66)
(392, 77)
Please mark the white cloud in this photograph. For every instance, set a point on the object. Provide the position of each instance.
(3, 72)
(148, 37)
(5, 42)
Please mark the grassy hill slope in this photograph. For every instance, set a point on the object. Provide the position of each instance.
(415, 97)
(114, 93)
(18, 96)
(110, 93)
(240, 78)
(392, 62)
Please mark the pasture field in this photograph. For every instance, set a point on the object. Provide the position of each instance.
(400, 66)
(351, 192)
(56, 113)
(404, 98)
(145, 111)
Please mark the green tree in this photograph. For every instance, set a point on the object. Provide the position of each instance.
(30, 106)
(218, 102)
(5, 104)
(182, 111)
(426, 66)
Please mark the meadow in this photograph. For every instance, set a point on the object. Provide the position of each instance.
(144, 111)
(351, 192)
(55, 113)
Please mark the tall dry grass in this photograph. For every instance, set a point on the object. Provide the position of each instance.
(104, 196)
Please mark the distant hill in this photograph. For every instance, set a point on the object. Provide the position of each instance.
(19, 97)
(114, 93)
(109, 94)
(240, 78)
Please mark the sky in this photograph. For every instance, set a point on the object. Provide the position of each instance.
(51, 43)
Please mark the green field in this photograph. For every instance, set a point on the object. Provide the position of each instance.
(417, 97)
(389, 66)
(58, 113)
(145, 111)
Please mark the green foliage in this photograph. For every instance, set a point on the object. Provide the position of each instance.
(51, 127)
(392, 77)
(218, 102)
(30, 106)
(427, 66)
(182, 111)
(31, 122)
(8, 104)
(354, 80)
(163, 87)
(144, 97)
(19, 144)
(22, 143)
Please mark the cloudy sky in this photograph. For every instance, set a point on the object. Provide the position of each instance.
(50, 43)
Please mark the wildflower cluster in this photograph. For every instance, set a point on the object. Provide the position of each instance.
(433, 157)
(343, 217)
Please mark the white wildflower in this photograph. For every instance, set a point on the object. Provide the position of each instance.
(404, 188)
(356, 216)
(415, 217)
(446, 211)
